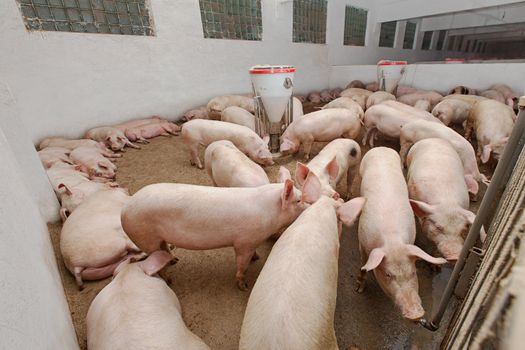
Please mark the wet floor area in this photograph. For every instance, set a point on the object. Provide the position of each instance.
(204, 281)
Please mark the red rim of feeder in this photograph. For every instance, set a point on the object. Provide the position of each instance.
(272, 70)
(392, 63)
(455, 60)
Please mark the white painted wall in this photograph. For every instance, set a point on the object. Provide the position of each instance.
(441, 76)
(33, 309)
(65, 83)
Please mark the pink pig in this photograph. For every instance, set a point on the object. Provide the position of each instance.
(93, 163)
(138, 122)
(387, 232)
(51, 155)
(197, 113)
(326, 96)
(112, 137)
(229, 167)
(138, 310)
(203, 132)
(325, 125)
(203, 217)
(72, 196)
(92, 241)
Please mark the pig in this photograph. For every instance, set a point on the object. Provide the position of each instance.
(421, 114)
(148, 131)
(72, 144)
(203, 132)
(51, 155)
(335, 93)
(325, 125)
(297, 106)
(203, 217)
(423, 105)
(471, 99)
(494, 95)
(112, 137)
(197, 113)
(348, 103)
(336, 158)
(301, 98)
(388, 121)
(92, 241)
(452, 111)
(373, 86)
(72, 196)
(136, 123)
(511, 98)
(93, 163)
(240, 116)
(358, 95)
(314, 97)
(420, 129)
(378, 97)
(356, 84)
(403, 90)
(387, 232)
(139, 310)
(462, 90)
(220, 103)
(326, 96)
(299, 280)
(492, 122)
(63, 173)
(432, 97)
(438, 195)
(229, 167)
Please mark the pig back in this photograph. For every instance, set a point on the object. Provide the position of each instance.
(387, 214)
(136, 311)
(299, 279)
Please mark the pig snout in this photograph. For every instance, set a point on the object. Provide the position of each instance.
(450, 249)
(409, 303)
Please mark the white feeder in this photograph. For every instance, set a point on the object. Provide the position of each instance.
(389, 73)
(273, 86)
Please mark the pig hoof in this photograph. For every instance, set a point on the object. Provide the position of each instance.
(174, 261)
(243, 286)
(255, 256)
(360, 288)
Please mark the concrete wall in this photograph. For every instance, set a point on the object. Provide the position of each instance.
(33, 309)
(440, 76)
(65, 83)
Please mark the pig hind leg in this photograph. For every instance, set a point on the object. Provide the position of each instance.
(194, 155)
(243, 256)
(361, 279)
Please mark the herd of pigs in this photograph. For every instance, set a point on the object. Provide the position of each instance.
(107, 232)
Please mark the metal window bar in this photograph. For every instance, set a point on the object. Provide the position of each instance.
(125, 17)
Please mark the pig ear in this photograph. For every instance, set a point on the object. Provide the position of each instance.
(472, 185)
(266, 139)
(486, 153)
(421, 209)
(68, 191)
(332, 169)
(102, 165)
(470, 216)
(417, 252)
(510, 102)
(374, 259)
(287, 193)
(301, 172)
(284, 174)
(349, 211)
(311, 190)
(108, 138)
(155, 262)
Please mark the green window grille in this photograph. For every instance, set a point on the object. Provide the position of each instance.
(387, 34)
(441, 39)
(127, 17)
(427, 39)
(355, 26)
(309, 21)
(231, 19)
(410, 34)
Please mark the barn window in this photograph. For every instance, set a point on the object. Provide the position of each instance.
(128, 17)
(355, 26)
(387, 34)
(410, 34)
(451, 42)
(427, 39)
(441, 39)
(309, 21)
(231, 19)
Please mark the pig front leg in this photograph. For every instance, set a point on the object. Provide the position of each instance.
(349, 180)
(194, 155)
(361, 279)
(468, 129)
(243, 256)
(307, 147)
